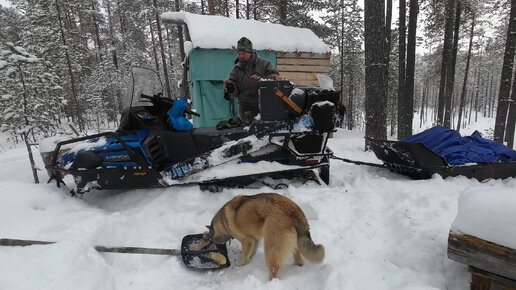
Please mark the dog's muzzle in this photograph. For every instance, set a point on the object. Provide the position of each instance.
(221, 239)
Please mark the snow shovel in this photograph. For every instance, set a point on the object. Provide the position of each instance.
(196, 252)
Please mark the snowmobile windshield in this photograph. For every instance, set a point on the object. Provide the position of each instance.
(142, 81)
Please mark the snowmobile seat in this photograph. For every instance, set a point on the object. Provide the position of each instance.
(164, 146)
(211, 137)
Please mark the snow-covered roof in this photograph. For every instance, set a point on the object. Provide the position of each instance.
(211, 31)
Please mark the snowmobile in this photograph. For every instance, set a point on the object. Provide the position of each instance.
(156, 146)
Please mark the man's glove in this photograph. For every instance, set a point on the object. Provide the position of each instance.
(230, 88)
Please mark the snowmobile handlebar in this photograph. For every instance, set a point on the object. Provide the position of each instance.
(192, 113)
(158, 100)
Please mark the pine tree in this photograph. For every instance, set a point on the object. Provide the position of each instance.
(375, 72)
(28, 97)
(505, 85)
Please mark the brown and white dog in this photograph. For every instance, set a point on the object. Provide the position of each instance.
(273, 217)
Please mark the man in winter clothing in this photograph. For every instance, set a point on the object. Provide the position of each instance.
(242, 81)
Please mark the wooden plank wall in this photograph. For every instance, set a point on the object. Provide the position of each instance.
(482, 254)
(483, 280)
(302, 68)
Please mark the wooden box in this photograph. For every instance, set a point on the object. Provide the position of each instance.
(492, 266)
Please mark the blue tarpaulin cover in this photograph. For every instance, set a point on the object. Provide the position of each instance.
(462, 150)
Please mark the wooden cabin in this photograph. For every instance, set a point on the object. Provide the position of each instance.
(298, 54)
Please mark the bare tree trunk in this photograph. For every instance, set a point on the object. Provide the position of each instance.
(446, 58)
(341, 45)
(283, 11)
(211, 7)
(375, 74)
(341, 57)
(450, 70)
(247, 9)
(170, 57)
(410, 71)
(70, 71)
(185, 89)
(435, 93)
(80, 19)
(351, 96)
(509, 129)
(31, 158)
(493, 99)
(24, 134)
(490, 95)
(472, 101)
(163, 58)
(505, 82)
(388, 28)
(123, 31)
(477, 94)
(180, 34)
(423, 102)
(237, 9)
(401, 68)
(511, 124)
(388, 20)
(97, 35)
(463, 93)
(153, 42)
(111, 35)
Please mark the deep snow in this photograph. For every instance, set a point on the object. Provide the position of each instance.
(381, 230)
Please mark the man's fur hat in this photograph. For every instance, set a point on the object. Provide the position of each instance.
(244, 44)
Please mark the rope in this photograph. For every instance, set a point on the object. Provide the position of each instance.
(488, 164)
(358, 162)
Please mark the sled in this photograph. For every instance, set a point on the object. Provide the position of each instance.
(415, 160)
(154, 147)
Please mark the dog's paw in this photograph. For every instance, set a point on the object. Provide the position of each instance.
(242, 262)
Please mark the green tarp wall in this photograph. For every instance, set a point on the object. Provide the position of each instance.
(208, 68)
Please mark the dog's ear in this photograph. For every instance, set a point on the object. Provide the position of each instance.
(210, 230)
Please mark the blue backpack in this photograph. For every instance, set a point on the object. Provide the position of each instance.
(176, 118)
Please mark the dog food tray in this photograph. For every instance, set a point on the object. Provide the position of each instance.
(199, 254)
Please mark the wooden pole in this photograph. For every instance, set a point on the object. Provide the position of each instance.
(102, 249)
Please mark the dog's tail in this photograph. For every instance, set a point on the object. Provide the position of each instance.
(314, 253)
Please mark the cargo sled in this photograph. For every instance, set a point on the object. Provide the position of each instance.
(413, 158)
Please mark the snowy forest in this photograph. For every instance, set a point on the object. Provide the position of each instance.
(401, 67)
(65, 63)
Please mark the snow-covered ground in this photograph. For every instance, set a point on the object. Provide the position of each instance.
(381, 230)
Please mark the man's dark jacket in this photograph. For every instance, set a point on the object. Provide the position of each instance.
(246, 90)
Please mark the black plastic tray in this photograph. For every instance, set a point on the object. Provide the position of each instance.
(199, 259)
